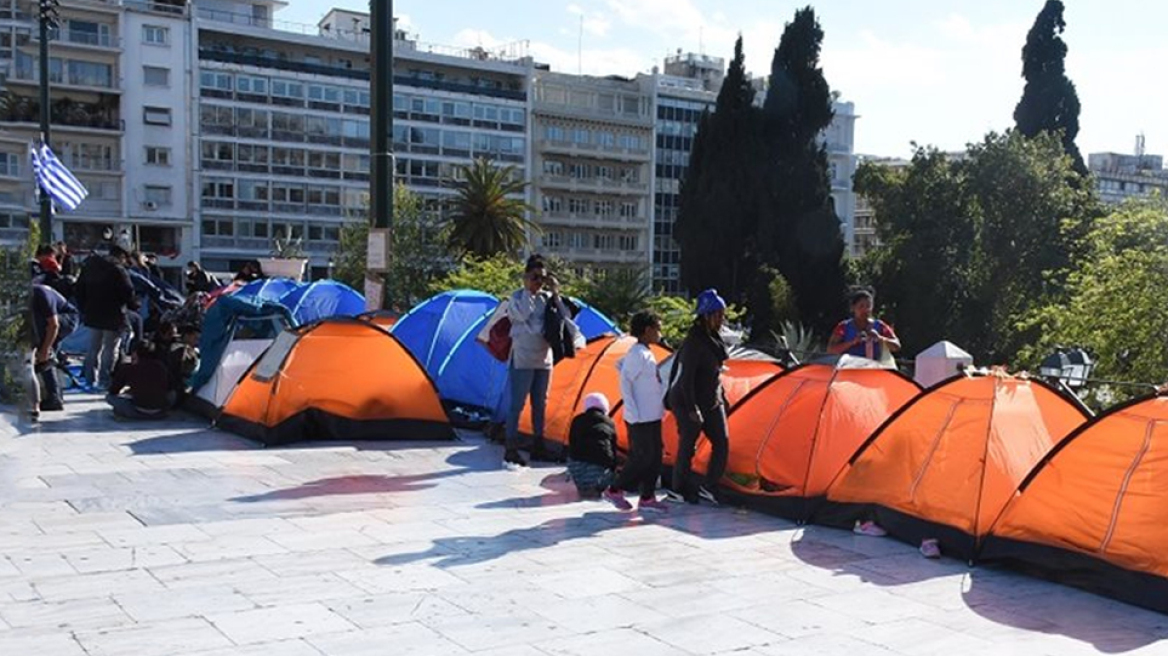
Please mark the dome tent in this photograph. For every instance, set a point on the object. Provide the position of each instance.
(321, 300)
(267, 289)
(235, 332)
(336, 379)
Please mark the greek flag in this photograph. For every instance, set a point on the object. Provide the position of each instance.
(56, 180)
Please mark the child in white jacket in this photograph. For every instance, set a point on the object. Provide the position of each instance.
(643, 395)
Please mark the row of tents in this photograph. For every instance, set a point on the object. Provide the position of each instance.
(994, 467)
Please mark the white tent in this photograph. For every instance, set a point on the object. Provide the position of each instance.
(240, 355)
(939, 362)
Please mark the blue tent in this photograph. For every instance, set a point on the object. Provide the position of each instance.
(266, 289)
(321, 300)
(441, 332)
(225, 320)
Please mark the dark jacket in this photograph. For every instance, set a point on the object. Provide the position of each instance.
(148, 381)
(592, 439)
(557, 332)
(699, 383)
(104, 291)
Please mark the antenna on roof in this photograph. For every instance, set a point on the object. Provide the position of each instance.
(1140, 145)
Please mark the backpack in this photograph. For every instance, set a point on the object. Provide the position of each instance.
(499, 340)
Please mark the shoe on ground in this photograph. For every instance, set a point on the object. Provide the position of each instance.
(707, 496)
(512, 459)
(617, 499)
(674, 497)
(652, 505)
(930, 548)
(542, 454)
(52, 407)
(869, 528)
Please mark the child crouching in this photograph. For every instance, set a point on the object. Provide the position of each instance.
(592, 448)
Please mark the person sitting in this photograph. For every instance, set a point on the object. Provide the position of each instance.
(592, 448)
(150, 392)
(863, 336)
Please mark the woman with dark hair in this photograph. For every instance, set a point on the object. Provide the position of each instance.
(530, 370)
(863, 336)
(697, 400)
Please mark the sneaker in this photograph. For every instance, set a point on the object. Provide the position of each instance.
(512, 459)
(707, 496)
(617, 499)
(869, 528)
(652, 505)
(673, 497)
(930, 548)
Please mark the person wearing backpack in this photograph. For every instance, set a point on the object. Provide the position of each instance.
(697, 400)
(530, 360)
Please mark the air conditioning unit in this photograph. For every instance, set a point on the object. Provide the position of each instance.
(150, 205)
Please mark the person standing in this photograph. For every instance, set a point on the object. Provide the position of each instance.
(105, 295)
(530, 369)
(698, 402)
(52, 319)
(643, 394)
(862, 335)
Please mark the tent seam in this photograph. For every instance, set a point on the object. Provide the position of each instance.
(912, 490)
(1131, 470)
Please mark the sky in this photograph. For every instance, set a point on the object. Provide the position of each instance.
(934, 72)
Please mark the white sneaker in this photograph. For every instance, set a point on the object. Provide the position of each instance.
(869, 528)
(707, 496)
(673, 497)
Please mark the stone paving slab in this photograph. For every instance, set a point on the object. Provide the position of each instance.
(173, 539)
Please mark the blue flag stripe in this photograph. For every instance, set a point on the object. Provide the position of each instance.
(56, 180)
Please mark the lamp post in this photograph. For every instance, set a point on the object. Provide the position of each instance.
(49, 18)
(331, 264)
(1072, 367)
(379, 249)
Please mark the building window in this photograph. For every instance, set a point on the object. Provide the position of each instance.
(628, 210)
(580, 171)
(604, 209)
(555, 133)
(578, 206)
(9, 165)
(553, 240)
(156, 35)
(552, 167)
(155, 76)
(553, 204)
(158, 195)
(157, 156)
(156, 115)
(628, 242)
(604, 242)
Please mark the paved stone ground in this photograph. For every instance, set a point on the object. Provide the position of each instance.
(171, 539)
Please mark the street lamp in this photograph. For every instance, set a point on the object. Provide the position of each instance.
(1072, 367)
(50, 18)
(331, 263)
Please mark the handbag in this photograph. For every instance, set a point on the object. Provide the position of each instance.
(499, 341)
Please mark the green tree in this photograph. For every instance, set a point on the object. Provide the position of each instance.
(486, 217)
(418, 255)
(1030, 206)
(677, 315)
(1114, 302)
(801, 233)
(1049, 101)
(619, 295)
(500, 275)
(722, 192)
(926, 224)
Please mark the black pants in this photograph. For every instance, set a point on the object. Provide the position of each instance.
(644, 464)
(714, 426)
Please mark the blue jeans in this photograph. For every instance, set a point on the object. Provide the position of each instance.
(525, 383)
(99, 360)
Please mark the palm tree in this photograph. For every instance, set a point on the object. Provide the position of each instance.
(486, 219)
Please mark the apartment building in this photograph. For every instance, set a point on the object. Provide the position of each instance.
(1119, 176)
(591, 170)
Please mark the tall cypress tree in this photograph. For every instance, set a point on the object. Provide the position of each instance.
(719, 205)
(1049, 102)
(801, 233)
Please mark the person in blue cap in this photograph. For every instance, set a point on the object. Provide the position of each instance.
(695, 396)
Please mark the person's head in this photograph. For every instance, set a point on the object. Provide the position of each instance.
(711, 310)
(646, 327)
(861, 302)
(45, 250)
(534, 274)
(119, 255)
(62, 248)
(167, 331)
(193, 266)
(190, 335)
(596, 401)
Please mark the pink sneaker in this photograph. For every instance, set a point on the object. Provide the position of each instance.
(617, 500)
(870, 529)
(652, 505)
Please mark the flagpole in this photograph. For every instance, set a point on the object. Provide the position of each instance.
(46, 15)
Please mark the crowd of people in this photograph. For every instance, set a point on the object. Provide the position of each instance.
(143, 341)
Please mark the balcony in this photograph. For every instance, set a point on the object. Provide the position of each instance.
(64, 113)
(168, 7)
(259, 61)
(592, 150)
(596, 185)
(66, 36)
(592, 220)
(30, 74)
(263, 244)
(604, 256)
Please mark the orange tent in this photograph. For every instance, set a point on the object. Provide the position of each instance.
(740, 378)
(793, 434)
(592, 370)
(336, 379)
(945, 466)
(1094, 513)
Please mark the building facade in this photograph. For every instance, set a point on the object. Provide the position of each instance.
(592, 170)
(1119, 177)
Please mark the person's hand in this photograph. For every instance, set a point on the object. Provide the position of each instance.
(552, 284)
(42, 356)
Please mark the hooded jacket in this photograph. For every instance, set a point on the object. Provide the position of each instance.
(592, 439)
(699, 383)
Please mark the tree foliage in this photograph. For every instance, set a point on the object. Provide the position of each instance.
(677, 315)
(619, 295)
(800, 234)
(486, 216)
(418, 255)
(1114, 300)
(1049, 101)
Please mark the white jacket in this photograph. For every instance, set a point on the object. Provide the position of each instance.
(641, 386)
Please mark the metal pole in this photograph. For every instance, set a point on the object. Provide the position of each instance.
(381, 130)
(46, 202)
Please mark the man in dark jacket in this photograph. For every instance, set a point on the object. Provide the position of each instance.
(104, 295)
(697, 400)
(148, 383)
(592, 448)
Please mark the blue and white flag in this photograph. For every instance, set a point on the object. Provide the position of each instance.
(56, 180)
